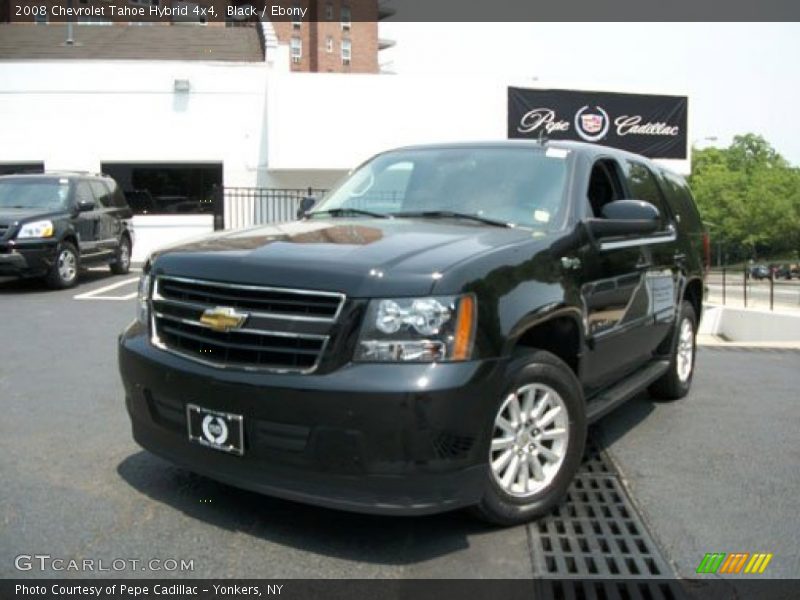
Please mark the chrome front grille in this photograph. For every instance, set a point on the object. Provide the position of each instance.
(257, 300)
(285, 330)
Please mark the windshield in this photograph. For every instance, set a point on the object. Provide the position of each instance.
(522, 186)
(47, 194)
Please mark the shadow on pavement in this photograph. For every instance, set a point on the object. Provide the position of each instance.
(626, 417)
(368, 538)
(11, 286)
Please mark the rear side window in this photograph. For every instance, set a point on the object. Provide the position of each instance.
(101, 193)
(642, 185)
(117, 197)
(680, 200)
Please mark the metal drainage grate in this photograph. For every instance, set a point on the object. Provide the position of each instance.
(595, 544)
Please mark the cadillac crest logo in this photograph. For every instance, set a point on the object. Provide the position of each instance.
(592, 126)
(214, 429)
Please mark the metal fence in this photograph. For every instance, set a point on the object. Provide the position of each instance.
(748, 286)
(239, 207)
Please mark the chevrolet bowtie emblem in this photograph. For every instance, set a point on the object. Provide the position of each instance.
(223, 318)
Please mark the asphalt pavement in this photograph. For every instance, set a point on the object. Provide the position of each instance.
(716, 471)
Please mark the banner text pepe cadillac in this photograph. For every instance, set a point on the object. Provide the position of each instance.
(654, 126)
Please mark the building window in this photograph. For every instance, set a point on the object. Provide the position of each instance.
(329, 11)
(329, 45)
(297, 49)
(346, 17)
(347, 52)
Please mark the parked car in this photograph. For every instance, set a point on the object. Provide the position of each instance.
(443, 351)
(785, 271)
(52, 224)
(759, 272)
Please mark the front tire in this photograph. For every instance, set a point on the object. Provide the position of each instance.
(677, 381)
(536, 442)
(64, 271)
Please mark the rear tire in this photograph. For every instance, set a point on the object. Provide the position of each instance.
(64, 271)
(677, 381)
(544, 456)
(122, 263)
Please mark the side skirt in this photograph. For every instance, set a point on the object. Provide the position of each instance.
(609, 399)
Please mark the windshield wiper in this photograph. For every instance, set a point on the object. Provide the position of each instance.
(452, 214)
(347, 212)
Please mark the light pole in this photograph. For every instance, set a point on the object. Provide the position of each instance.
(709, 138)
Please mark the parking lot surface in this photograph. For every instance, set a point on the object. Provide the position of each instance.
(714, 472)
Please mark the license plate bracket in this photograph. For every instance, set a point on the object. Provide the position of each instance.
(214, 429)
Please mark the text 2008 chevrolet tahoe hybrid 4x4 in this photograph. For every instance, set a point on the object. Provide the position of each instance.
(436, 333)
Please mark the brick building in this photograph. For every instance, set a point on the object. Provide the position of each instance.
(332, 36)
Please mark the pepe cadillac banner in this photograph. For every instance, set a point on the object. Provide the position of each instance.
(654, 126)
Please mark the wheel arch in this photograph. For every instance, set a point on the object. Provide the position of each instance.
(693, 293)
(559, 332)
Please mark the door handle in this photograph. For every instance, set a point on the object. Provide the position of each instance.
(679, 257)
(643, 264)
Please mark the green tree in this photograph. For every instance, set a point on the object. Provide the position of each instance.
(750, 195)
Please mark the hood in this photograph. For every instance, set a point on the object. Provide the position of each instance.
(360, 257)
(10, 217)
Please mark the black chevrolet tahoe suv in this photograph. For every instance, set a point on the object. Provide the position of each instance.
(436, 333)
(52, 224)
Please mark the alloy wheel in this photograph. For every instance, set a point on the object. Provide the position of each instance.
(67, 265)
(529, 441)
(684, 361)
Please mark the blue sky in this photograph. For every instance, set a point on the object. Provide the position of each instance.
(740, 77)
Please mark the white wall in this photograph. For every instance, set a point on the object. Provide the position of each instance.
(77, 114)
(751, 325)
(155, 231)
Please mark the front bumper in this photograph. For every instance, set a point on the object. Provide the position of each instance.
(30, 259)
(377, 438)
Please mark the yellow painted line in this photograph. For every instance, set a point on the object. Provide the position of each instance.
(767, 558)
(757, 564)
(749, 566)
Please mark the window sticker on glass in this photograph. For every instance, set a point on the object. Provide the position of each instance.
(541, 215)
(556, 153)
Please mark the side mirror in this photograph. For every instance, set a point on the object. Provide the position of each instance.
(85, 206)
(306, 205)
(626, 217)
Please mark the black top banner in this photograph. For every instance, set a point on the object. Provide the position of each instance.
(653, 126)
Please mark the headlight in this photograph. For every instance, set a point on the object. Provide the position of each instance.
(435, 328)
(143, 297)
(37, 229)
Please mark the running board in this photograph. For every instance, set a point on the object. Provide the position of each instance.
(611, 398)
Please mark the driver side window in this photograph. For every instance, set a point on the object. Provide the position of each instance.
(604, 186)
